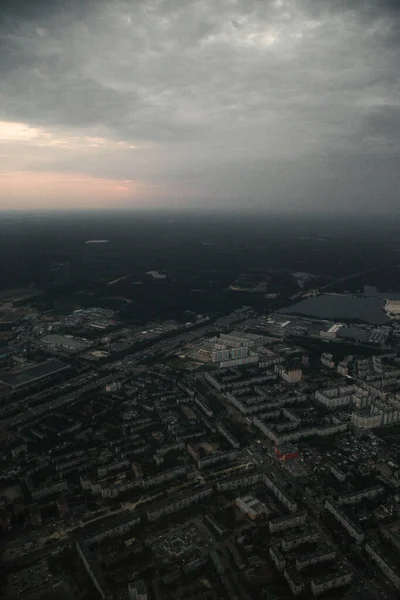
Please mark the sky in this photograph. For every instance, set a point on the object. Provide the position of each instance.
(276, 105)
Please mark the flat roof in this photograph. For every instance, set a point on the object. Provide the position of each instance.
(62, 340)
(332, 576)
(291, 517)
(30, 374)
(319, 553)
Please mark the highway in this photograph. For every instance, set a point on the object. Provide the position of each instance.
(353, 276)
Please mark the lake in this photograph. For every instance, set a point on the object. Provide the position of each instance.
(341, 306)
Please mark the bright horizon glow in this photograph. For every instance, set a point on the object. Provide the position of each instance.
(31, 191)
(37, 136)
(37, 189)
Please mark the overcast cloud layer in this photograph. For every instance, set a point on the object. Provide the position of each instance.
(291, 104)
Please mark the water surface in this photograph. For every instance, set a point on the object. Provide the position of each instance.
(342, 306)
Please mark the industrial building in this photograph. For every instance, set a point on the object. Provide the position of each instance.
(62, 342)
(33, 374)
(332, 332)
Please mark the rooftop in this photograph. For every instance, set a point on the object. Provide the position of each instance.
(30, 374)
(61, 340)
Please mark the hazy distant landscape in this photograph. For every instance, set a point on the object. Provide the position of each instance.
(158, 265)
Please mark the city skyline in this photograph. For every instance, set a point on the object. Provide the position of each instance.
(212, 104)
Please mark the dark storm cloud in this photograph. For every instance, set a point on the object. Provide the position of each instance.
(42, 10)
(250, 99)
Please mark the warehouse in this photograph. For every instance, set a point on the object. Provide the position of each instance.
(63, 342)
(33, 374)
